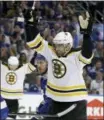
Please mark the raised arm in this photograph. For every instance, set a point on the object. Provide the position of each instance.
(34, 38)
(30, 23)
(86, 29)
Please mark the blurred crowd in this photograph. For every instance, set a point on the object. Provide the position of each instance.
(52, 17)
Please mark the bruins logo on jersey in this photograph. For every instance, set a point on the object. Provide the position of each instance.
(59, 68)
(11, 78)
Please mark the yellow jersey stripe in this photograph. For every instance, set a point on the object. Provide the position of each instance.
(31, 67)
(35, 42)
(11, 94)
(8, 90)
(85, 60)
(67, 94)
(40, 48)
(67, 87)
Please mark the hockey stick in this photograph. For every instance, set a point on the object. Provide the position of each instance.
(33, 6)
(60, 114)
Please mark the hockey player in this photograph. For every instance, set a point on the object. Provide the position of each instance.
(3, 109)
(12, 78)
(66, 86)
(41, 64)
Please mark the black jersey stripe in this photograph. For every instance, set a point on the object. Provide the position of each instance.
(66, 91)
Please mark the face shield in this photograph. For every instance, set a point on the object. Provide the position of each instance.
(62, 43)
(13, 63)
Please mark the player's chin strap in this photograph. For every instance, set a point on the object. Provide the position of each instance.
(60, 114)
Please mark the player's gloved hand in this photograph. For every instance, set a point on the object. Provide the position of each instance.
(84, 20)
(28, 15)
(30, 24)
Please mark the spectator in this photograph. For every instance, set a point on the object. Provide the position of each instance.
(99, 49)
(97, 84)
(51, 15)
(77, 28)
(11, 12)
(4, 54)
(97, 34)
(87, 79)
(98, 66)
(22, 59)
(3, 37)
(59, 11)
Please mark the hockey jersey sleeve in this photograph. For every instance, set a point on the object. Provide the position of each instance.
(30, 68)
(39, 45)
(34, 37)
(86, 54)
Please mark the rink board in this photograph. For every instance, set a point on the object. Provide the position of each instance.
(30, 102)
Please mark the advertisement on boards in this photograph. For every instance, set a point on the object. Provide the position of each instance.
(30, 102)
(95, 108)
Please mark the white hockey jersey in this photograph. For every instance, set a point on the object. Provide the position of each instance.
(65, 80)
(12, 81)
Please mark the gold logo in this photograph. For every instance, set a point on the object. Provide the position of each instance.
(11, 78)
(59, 68)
